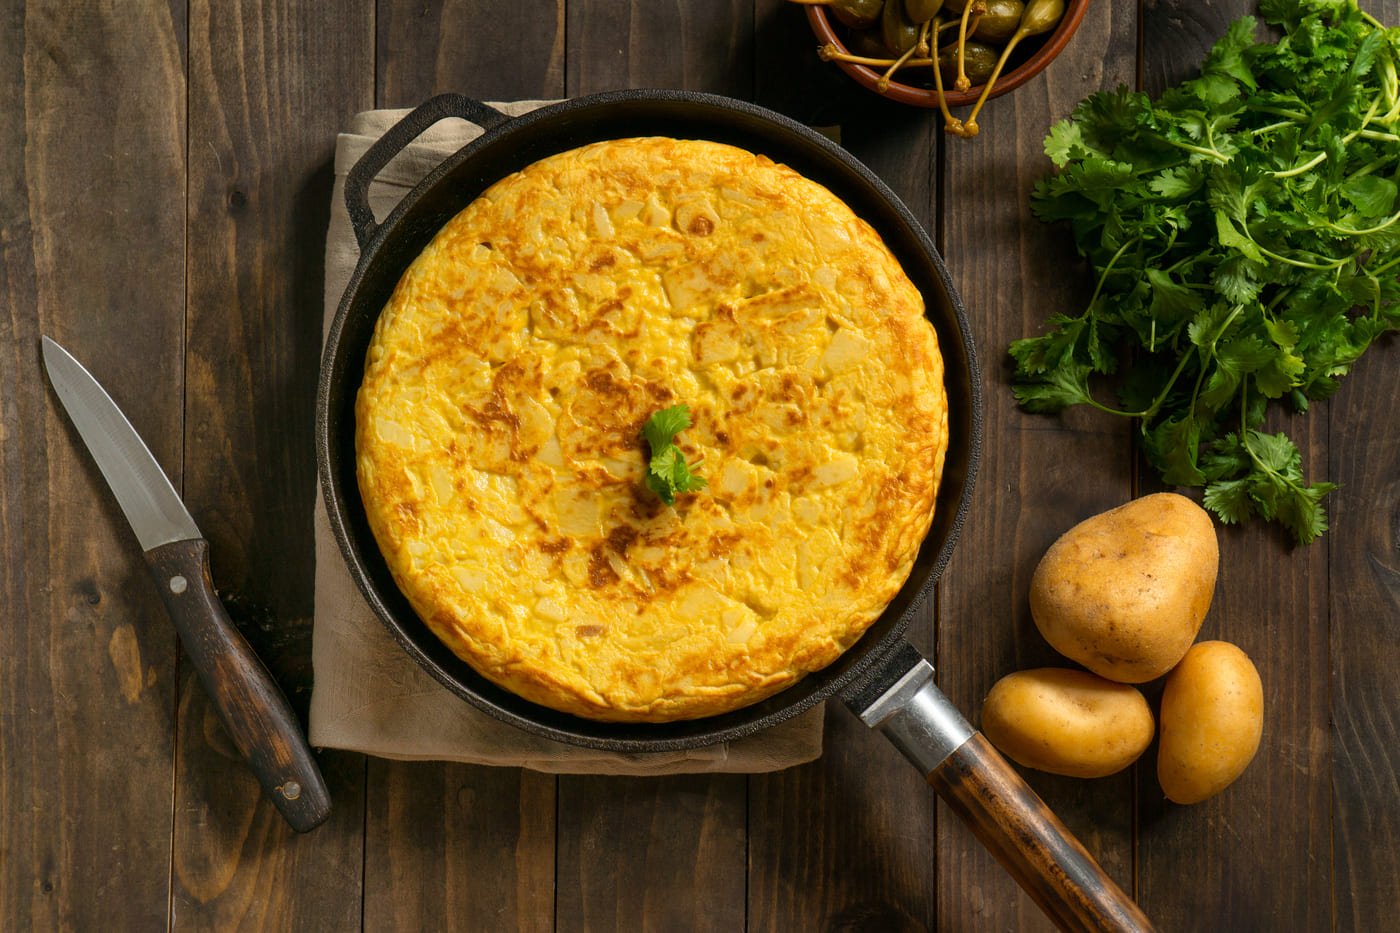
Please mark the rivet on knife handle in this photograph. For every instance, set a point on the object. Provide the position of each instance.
(256, 714)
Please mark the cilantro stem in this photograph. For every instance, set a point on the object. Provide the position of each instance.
(1390, 85)
(1213, 153)
(1294, 115)
(1103, 276)
(1300, 169)
(1347, 231)
(1334, 264)
(1316, 161)
(1376, 272)
(1370, 167)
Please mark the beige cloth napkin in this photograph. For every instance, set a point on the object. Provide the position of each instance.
(369, 696)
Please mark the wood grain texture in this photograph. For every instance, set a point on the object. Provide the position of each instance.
(459, 847)
(255, 713)
(485, 50)
(1039, 475)
(843, 843)
(87, 660)
(652, 855)
(1364, 603)
(1363, 640)
(271, 84)
(237, 866)
(1051, 866)
(1271, 600)
(700, 45)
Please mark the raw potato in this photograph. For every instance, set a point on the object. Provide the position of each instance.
(1067, 721)
(1212, 720)
(1124, 592)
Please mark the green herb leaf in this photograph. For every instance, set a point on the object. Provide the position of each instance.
(668, 473)
(1244, 237)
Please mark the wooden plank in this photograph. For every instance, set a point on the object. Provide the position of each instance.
(271, 85)
(1206, 859)
(92, 212)
(1364, 603)
(788, 76)
(459, 847)
(486, 50)
(1363, 635)
(651, 854)
(1039, 475)
(846, 842)
(699, 45)
(451, 846)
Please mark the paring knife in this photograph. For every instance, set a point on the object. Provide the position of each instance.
(256, 714)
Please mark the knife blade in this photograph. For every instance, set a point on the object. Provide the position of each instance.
(256, 714)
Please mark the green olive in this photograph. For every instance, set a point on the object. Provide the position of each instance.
(978, 59)
(899, 34)
(1041, 16)
(867, 42)
(857, 14)
(921, 11)
(1000, 22)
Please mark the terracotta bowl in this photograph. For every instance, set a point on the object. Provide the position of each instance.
(1031, 57)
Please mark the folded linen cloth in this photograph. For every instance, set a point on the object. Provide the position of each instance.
(369, 696)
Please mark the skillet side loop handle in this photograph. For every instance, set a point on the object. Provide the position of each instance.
(395, 140)
(999, 807)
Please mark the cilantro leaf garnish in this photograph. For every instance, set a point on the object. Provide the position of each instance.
(1244, 229)
(668, 473)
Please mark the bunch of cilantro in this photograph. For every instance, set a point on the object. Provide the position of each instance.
(1245, 233)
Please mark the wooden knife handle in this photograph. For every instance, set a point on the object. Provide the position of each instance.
(1031, 842)
(256, 714)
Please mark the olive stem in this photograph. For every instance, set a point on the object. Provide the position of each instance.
(1037, 17)
(830, 53)
(963, 82)
(883, 84)
(991, 81)
(951, 124)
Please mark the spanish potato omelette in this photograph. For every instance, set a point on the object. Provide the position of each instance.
(498, 429)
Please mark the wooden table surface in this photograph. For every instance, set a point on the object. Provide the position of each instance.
(165, 185)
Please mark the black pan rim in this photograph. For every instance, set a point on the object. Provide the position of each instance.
(640, 737)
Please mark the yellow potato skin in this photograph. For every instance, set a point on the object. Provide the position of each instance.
(1212, 721)
(1067, 722)
(1124, 592)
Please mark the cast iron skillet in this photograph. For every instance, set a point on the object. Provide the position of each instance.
(881, 678)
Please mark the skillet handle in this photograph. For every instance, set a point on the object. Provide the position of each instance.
(999, 807)
(398, 136)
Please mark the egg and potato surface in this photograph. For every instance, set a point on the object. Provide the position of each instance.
(498, 429)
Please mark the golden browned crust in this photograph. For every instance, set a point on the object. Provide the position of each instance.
(498, 429)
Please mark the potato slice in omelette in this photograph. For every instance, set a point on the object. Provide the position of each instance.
(498, 429)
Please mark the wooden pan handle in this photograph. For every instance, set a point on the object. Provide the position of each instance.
(990, 797)
(1030, 841)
